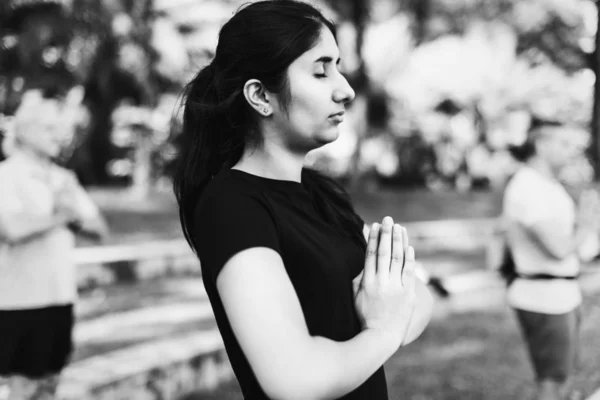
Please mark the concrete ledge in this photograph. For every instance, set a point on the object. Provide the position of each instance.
(138, 251)
(162, 369)
(452, 228)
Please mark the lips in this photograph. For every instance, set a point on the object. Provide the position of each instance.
(338, 114)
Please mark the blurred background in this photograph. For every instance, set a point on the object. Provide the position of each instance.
(443, 88)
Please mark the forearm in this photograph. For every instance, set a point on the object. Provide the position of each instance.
(556, 243)
(22, 227)
(351, 363)
(330, 369)
(571, 246)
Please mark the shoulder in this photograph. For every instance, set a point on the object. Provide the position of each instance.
(227, 190)
(227, 198)
(64, 174)
(525, 183)
(9, 172)
(6, 166)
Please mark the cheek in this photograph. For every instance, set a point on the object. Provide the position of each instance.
(309, 100)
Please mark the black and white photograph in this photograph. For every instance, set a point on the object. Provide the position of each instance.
(299, 200)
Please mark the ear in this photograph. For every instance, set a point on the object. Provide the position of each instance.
(256, 95)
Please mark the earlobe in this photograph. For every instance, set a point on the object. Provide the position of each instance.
(255, 95)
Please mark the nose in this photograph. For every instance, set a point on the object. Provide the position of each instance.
(343, 92)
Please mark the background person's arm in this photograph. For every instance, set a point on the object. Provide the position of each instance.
(22, 226)
(560, 244)
(18, 224)
(88, 221)
(556, 243)
(91, 223)
(289, 363)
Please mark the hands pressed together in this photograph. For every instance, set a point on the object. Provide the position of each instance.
(386, 292)
(65, 201)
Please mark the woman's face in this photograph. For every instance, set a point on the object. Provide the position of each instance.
(558, 148)
(318, 96)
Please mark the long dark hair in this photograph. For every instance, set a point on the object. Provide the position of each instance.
(525, 151)
(259, 42)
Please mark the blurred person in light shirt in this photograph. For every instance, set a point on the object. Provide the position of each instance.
(42, 207)
(547, 235)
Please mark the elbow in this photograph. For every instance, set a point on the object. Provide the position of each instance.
(8, 235)
(297, 381)
(296, 392)
(102, 234)
(289, 385)
(95, 230)
(102, 230)
(559, 252)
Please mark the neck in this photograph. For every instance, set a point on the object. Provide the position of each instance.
(33, 156)
(542, 167)
(274, 162)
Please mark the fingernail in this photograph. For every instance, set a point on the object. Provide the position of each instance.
(388, 220)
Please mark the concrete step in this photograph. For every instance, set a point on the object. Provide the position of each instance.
(150, 358)
(161, 369)
(154, 352)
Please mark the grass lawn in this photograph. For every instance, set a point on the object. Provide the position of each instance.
(132, 220)
(425, 205)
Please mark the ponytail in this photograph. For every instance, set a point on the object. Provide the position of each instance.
(209, 142)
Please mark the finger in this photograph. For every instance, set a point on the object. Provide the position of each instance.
(408, 273)
(371, 253)
(384, 250)
(397, 252)
(405, 248)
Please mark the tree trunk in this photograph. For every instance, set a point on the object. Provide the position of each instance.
(141, 183)
(594, 150)
(359, 17)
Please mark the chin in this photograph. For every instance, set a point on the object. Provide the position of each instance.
(52, 154)
(328, 136)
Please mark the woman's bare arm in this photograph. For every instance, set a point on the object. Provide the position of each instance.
(289, 363)
(20, 227)
(267, 319)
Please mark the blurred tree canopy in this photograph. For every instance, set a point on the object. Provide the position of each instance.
(499, 63)
(442, 85)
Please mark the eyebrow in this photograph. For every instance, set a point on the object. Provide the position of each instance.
(327, 59)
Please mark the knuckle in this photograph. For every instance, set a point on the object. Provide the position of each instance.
(383, 254)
